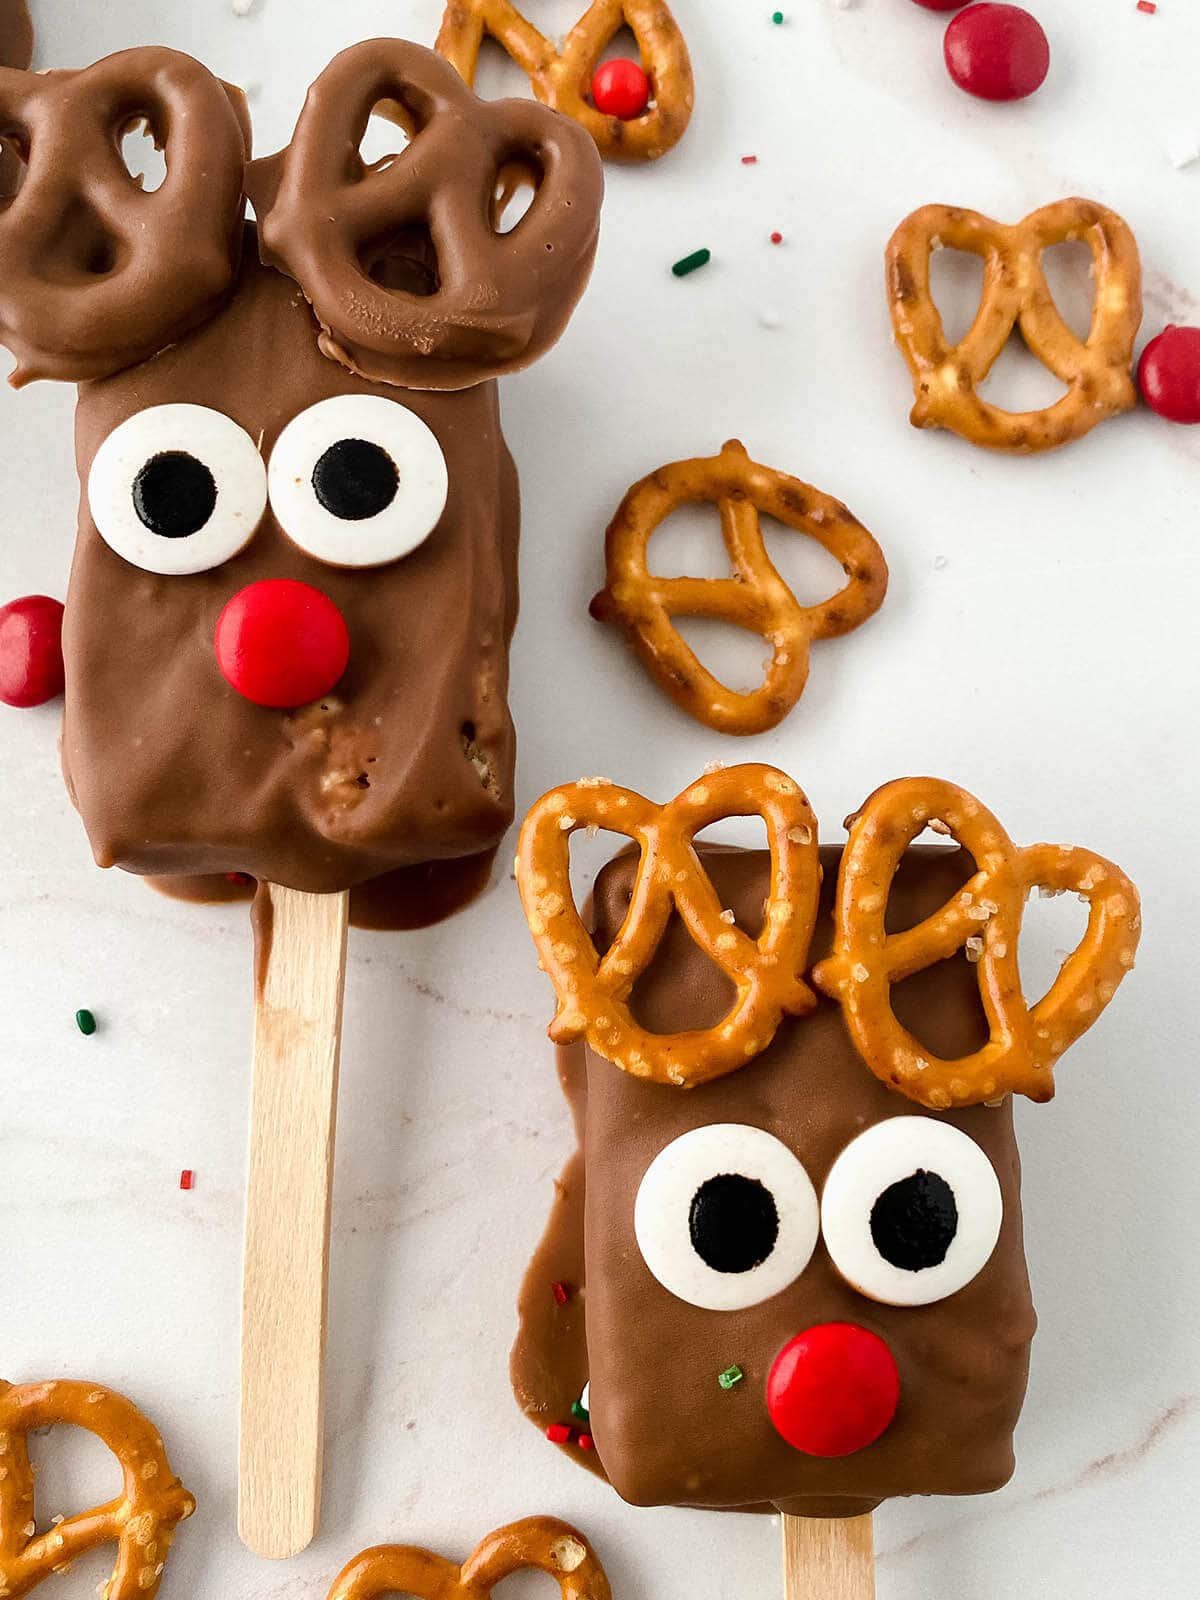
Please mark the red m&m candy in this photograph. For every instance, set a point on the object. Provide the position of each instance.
(620, 89)
(31, 658)
(1169, 374)
(997, 52)
(281, 643)
(833, 1389)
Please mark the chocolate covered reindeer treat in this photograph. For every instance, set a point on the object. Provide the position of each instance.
(787, 1253)
(295, 581)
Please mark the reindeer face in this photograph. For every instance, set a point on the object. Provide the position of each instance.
(704, 1246)
(288, 623)
(408, 755)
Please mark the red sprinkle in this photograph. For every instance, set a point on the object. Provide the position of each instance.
(558, 1433)
(776, 238)
(1148, 6)
(186, 1178)
(749, 161)
(586, 1442)
(561, 1293)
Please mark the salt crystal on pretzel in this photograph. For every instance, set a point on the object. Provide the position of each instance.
(539, 1544)
(755, 597)
(562, 78)
(947, 378)
(141, 1520)
(984, 919)
(593, 991)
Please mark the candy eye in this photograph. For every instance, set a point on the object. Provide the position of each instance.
(911, 1211)
(177, 489)
(358, 480)
(726, 1217)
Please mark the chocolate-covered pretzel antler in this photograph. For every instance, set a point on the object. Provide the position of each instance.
(495, 300)
(96, 273)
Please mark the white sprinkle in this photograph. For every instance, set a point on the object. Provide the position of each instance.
(940, 563)
(771, 318)
(242, 8)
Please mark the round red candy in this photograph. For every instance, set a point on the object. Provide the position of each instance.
(833, 1389)
(1169, 374)
(620, 89)
(281, 643)
(997, 52)
(31, 658)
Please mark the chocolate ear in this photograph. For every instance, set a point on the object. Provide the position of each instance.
(402, 261)
(96, 274)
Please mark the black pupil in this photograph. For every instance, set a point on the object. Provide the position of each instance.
(355, 479)
(174, 494)
(913, 1222)
(733, 1223)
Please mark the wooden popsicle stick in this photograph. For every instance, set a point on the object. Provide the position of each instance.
(828, 1558)
(300, 960)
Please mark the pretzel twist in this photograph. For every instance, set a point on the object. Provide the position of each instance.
(542, 1544)
(95, 272)
(593, 991)
(1024, 1041)
(141, 1521)
(755, 597)
(946, 377)
(563, 79)
(497, 300)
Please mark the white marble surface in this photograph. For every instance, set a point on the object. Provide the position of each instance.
(1038, 645)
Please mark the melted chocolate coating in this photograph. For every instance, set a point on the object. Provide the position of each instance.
(16, 50)
(665, 1431)
(408, 760)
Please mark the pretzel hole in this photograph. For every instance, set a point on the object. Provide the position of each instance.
(1019, 382)
(804, 564)
(81, 248)
(1051, 929)
(929, 874)
(528, 1585)
(1071, 274)
(514, 191)
(142, 155)
(687, 543)
(73, 1469)
(405, 259)
(956, 286)
(737, 656)
(384, 139)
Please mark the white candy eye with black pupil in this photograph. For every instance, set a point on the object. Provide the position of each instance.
(177, 489)
(726, 1217)
(358, 481)
(911, 1211)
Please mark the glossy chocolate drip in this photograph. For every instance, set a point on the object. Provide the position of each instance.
(664, 1429)
(395, 902)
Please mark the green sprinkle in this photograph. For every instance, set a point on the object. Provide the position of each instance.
(698, 258)
(730, 1376)
(578, 1411)
(777, 17)
(85, 1022)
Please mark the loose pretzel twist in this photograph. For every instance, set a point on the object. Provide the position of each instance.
(755, 597)
(497, 300)
(593, 991)
(563, 79)
(542, 1544)
(1016, 294)
(96, 273)
(141, 1521)
(866, 960)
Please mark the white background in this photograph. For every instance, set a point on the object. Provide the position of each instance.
(1038, 645)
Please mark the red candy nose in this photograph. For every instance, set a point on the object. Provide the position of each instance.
(833, 1389)
(281, 643)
